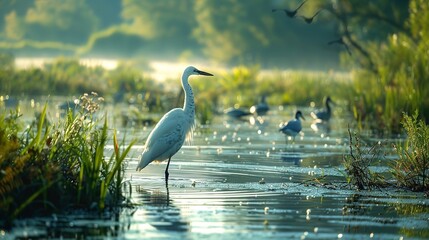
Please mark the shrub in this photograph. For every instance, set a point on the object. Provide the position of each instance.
(357, 164)
(411, 170)
(55, 167)
(397, 81)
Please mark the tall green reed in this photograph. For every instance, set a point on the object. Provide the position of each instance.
(358, 163)
(56, 167)
(412, 168)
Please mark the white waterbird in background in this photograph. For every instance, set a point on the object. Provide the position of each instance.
(170, 133)
(294, 126)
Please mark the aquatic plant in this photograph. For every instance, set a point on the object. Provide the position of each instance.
(358, 162)
(411, 170)
(26, 173)
(55, 167)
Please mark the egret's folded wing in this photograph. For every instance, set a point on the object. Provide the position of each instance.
(167, 134)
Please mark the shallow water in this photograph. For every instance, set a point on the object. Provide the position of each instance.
(242, 179)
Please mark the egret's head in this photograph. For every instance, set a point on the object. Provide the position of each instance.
(193, 71)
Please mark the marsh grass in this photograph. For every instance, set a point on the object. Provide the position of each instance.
(205, 112)
(52, 168)
(243, 86)
(358, 162)
(411, 170)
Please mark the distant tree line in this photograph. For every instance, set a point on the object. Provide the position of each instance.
(224, 31)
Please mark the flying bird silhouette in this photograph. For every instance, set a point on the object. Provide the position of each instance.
(341, 42)
(290, 13)
(309, 20)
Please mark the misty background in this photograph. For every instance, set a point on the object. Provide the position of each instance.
(224, 32)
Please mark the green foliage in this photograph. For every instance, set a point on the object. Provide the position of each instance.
(205, 112)
(26, 172)
(357, 164)
(397, 81)
(31, 47)
(229, 32)
(51, 20)
(412, 168)
(161, 19)
(232, 27)
(53, 168)
(7, 61)
(244, 86)
(241, 83)
(67, 76)
(122, 37)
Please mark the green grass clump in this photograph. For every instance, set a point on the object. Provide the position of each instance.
(357, 164)
(51, 168)
(411, 170)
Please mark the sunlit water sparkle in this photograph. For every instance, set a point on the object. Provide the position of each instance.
(244, 180)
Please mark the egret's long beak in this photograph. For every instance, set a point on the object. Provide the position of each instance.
(203, 73)
(303, 118)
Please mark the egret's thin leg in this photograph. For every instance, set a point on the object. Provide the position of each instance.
(166, 170)
(168, 193)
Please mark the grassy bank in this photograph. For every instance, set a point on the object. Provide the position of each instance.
(56, 167)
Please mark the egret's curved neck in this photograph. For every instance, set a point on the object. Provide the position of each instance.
(189, 104)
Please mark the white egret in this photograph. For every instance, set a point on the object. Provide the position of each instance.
(169, 134)
(323, 114)
(294, 126)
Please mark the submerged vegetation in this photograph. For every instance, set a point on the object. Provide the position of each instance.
(52, 168)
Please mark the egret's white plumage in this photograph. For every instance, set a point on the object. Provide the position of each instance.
(294, 126)
(323, 114)
(170, 132)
